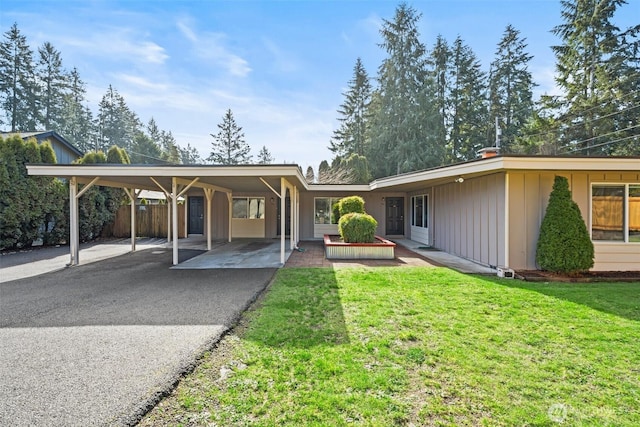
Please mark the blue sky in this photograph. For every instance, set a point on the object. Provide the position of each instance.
(281, 66)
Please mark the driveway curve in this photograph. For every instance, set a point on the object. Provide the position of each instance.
(99, 344)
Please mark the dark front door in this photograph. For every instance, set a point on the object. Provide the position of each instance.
(196, 215)
(287, 219)
(395, 216)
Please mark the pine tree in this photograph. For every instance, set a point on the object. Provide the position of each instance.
(264, 156)
(350, 137)
(54, 84)
(404, 121)
(18, 88)
(467, 104)
(170, 149)
(228, 146)
(510, 88)
(596, 77)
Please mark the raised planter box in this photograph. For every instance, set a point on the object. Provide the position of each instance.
(381, 249)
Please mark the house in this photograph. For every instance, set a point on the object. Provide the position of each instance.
(487, 210)
(66, 153)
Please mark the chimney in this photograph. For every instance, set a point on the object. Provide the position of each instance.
(487, 152)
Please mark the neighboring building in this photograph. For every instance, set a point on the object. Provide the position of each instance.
(66, 153)
(487, 210)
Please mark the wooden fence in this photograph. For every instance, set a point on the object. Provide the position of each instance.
(607, 213)
(151, 221)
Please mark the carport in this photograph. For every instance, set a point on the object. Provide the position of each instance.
(283, 181)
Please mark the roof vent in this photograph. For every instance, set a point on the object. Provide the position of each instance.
(487, 152)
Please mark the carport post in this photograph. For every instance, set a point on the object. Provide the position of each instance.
(283, 205)
(174, 209)
(208, 192)
(74, 236)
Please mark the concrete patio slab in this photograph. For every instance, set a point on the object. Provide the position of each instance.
(239, 253)
(446, 259)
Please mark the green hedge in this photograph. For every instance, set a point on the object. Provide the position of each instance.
(357, 228)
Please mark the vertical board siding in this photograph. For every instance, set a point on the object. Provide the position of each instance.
(528, 198)
(469, 219)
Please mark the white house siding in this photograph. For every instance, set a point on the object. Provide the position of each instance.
(528, 197)
(468, 219)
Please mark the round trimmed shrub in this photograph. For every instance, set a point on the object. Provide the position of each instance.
(357, 227)
(564, 245)
(351, 204)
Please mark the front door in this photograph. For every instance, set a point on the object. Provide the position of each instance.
(395, 216)
(196, 215)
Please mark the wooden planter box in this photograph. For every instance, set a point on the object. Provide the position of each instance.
(382, 249)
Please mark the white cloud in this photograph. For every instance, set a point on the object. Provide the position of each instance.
(211, 47)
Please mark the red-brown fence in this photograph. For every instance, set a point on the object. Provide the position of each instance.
(606, 209)
(151, 221)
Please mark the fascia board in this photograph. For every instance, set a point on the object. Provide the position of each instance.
(340, 187)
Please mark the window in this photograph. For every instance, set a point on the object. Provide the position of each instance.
(615, 212)
(419, 217)
(324, 210)
(248, 207)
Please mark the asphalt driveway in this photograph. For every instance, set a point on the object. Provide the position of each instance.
(98, 344)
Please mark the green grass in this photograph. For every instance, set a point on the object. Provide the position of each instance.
(422, 346)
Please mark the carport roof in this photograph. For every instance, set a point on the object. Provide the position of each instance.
(240, 178)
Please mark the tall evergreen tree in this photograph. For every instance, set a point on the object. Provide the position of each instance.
(441, 60)
(510, 88)
(228, 146)
(403, 130)
(54, 84)
(18, 88)
(467, 104)
(170, 149)
(598, 80)
(350, 137)
(144, 150)
(117, 123)
(310, 176)
(77, 124)
(189, 155)
(264, 156)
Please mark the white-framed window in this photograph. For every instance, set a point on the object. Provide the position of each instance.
(419, 211)
(248, 207)
(323, 210)
(615, 212)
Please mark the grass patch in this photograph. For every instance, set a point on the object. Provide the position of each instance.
(421, 346)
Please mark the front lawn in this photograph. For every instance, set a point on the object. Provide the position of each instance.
(421, 346)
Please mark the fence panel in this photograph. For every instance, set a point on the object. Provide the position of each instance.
(151, 221)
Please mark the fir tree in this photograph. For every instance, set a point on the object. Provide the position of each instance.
(404, 121)
(54, 86)
(228, 146)
(18, 88)
(511, 88)
(598, 78)
(350, 137)
(264, 156)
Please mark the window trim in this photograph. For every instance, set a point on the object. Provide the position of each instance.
(625, 213)
(332, 201)
(425, 211)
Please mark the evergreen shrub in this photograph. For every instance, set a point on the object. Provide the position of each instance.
(351, 204)
(357, 227)
(564, 245)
